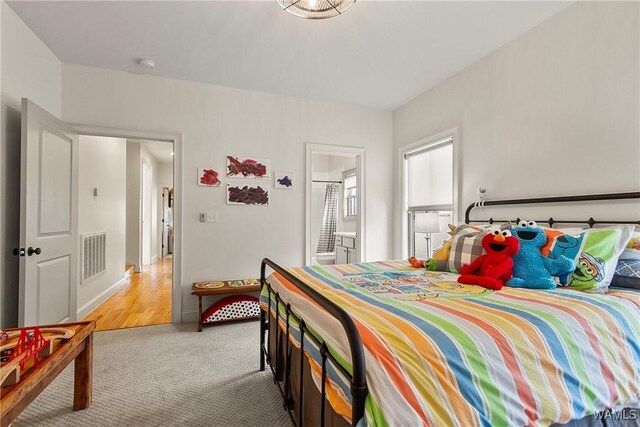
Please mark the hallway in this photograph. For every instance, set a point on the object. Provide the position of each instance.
(144, 300)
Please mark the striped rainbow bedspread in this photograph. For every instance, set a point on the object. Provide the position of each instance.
(439, 353)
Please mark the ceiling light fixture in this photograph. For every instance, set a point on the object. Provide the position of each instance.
(316, 9)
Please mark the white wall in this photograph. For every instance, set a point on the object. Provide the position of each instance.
(137, 154)
(148, 158)
(554, 112)
(30, 70)
(133, 180)
(218, 121)
(165, 174)
(102, 165)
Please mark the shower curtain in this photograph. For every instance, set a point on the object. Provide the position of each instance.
(327, 240)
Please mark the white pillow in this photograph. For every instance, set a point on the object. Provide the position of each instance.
(632, 248)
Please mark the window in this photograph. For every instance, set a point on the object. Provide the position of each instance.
(350, 197)
(429, 196)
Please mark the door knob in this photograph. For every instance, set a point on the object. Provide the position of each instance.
(18, 251)
(32, 251)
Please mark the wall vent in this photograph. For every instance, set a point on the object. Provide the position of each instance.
(93, 255)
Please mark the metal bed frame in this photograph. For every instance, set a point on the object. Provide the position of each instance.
(357, 379)
(562, 199)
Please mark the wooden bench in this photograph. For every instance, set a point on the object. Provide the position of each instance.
(232, 289)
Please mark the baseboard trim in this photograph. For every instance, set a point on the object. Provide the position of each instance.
(154, 259)
(189, 316)
(86, 309)
(136, 266)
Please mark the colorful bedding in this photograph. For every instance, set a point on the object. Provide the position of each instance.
(439, 353)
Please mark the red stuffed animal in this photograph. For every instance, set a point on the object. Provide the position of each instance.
(496, 266)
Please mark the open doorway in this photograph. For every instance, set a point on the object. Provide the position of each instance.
(78, 239)
(335, 203)
(167, 222)
(333, 209)
(143, 295)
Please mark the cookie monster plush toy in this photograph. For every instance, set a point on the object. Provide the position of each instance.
(531, 269)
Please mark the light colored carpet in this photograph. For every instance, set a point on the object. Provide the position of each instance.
(165, 376)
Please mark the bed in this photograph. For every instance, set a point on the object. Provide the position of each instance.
(387, 344)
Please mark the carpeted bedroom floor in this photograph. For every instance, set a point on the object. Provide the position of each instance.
(168, 375)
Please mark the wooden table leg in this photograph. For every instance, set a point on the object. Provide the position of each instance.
(199, 313)
(83, 376)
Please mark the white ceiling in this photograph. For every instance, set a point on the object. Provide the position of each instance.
(378, 54)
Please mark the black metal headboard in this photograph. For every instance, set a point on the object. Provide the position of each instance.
(563, 199)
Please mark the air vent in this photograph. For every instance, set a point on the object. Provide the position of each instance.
(93, 255)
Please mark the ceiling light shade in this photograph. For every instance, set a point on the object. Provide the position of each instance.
(316, 9)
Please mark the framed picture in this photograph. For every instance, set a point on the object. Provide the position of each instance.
(283, 180)
(247, 195)
(208, 177)
(246, 167)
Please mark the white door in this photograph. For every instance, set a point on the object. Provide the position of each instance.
(146, 214)
(48, 219)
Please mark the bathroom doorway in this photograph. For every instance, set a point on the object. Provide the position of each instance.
(335, 194)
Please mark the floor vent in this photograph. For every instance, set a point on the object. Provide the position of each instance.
(93, 255)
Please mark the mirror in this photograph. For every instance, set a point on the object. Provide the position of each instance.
(333, 206)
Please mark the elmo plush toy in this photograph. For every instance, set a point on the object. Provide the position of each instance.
(496, 266)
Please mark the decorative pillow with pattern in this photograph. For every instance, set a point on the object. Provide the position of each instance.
(595, 251)
(466, 245)
(627, 274)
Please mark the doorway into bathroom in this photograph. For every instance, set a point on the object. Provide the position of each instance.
(334, 205)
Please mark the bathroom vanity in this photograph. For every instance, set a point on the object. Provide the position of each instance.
(346, 247)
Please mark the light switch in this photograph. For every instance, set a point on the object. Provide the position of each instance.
(212, 216)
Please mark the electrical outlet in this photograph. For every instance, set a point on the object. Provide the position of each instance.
(212, 216)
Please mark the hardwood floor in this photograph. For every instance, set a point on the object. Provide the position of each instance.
(144, 300)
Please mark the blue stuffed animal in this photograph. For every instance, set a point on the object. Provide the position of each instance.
(532, 269)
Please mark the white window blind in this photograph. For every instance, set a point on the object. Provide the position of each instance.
(429, 192)
(430, 175)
